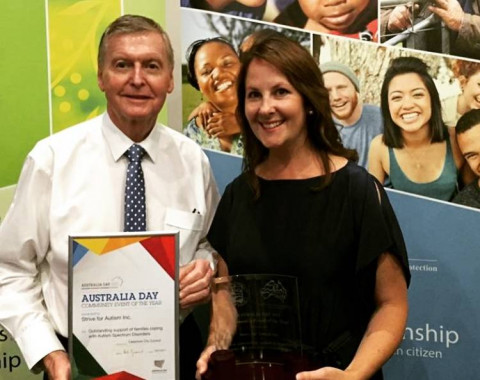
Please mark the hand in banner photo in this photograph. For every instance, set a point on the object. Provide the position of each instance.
(195, 283)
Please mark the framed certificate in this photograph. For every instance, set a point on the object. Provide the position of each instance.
(123, 309)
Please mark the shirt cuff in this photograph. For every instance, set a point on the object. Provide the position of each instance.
(36, 342)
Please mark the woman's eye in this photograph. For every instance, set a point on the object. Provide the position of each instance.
(252, 95)
(282, 91)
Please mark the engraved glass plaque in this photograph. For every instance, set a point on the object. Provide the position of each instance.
(267, 343)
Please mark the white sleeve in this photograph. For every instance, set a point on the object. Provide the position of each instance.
(212, 197)
(24, 242)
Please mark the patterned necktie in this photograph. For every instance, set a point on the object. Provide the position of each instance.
(135, 211)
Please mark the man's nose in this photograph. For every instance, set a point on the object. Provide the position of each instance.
(334, 94)
(137, 75)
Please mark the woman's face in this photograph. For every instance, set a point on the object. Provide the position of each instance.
(273, 107)
(216, 68)
(471, 90)
(333, 14)
(409, 102)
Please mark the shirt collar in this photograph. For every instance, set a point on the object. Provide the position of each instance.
(118, 142)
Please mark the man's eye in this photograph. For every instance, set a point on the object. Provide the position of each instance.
(153, 66)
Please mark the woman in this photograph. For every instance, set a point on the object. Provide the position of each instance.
(213, 66)
(415, 151)
(303, 208)
(468, 75)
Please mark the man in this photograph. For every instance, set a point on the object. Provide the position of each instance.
(468, 138)
(357, 123)
(461, 17)
(75, 182)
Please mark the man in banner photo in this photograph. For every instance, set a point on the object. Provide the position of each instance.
(75, 182)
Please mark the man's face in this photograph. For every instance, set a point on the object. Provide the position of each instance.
(333, 14)
(469, 143)
(136, 78)
(342, 94)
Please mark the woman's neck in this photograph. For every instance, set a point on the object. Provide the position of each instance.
(418, 139)
(300, 163)
(462, 105)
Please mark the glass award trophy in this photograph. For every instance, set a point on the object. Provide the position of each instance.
(267, 343)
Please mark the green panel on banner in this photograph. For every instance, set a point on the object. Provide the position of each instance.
(24, 95)
(156, 11)
(75, 28)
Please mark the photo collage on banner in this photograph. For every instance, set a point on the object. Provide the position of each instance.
(408, 147)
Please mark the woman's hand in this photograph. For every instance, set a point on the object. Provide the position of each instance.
(326, 373)
(222, 124)
(202, 362)
(202, 113)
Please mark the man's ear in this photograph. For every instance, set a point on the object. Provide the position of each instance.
(171, 85)
(100, 79)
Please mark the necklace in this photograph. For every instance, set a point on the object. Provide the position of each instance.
(417, 160)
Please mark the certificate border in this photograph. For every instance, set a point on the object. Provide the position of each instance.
(120, 235)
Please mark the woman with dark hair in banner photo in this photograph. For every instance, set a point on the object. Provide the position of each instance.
(212, 68)
(416, 151)
(302, 207)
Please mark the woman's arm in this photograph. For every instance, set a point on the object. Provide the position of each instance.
(376, 159)
(385, 329)
(223, 317)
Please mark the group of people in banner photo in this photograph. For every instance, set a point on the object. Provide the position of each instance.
(412, 137)
(418, 23)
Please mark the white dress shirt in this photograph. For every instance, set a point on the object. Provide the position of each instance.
(73, 182)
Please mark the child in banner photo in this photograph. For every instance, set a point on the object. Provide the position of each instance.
(348, 18)
(253, 9)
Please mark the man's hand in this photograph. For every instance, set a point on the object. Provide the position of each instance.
(195, 283)
(57, 365)
(450, 11)
(401, 18)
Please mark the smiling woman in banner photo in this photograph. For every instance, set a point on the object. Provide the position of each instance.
(302, 207)
(212, 68)
(416, 151)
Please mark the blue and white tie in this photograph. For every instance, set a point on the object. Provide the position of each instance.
(135, 211)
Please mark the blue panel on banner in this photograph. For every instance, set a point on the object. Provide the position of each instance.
(443, 242)
(225, 167)
(442, 339)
